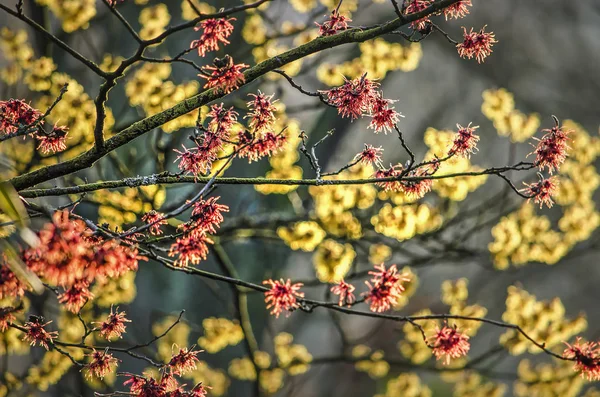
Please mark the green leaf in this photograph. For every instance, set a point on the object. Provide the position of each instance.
(12, 206)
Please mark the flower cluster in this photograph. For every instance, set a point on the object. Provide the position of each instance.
(465, 141)
(36, 333)
(586, 356)
(414, 183)
(224, 75)
(166, 386)
(213, 32)
(542, 191)
(336, 23)
(385, 288)
(71, 257)
(551, 150)
(282, 296)
(369, 155)
(16, 114)
(53, 141)
(450, 343)
(345, 292)
(101, 364)
(10, 285)
(183, 361)
(414, 6)
(457, 10)
(114, 325)
(476, 44)
(262, 112)
(155, 219)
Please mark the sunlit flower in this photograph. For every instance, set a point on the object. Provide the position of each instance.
(261, 112)
(114, 325)
(156, 220)
(354, 98)
(213, 32)
(476, 44)
(465, 141)
(191, 160)
(15, 114)
(383, 116)
(224, 75)
(102, 363)
(10, 285)
(6, 317)
(542, 191)
(35, 333)
(53, 141)
(76, 296)
(449, 343)
(369, 155)
(393, 171)
(207, 214)
(551, 150)
(457, 10)
(421, 185)
(345, 292)
(254, 148)
(385, 288)
(414, 6)
(184, 361)
(190, 249)
(282, 296)
(587, 358)
(336, 23)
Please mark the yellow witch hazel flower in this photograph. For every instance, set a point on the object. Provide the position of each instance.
(406, 385)
(293, 358)
(547, 379)
(499, 107)
(333, 261)
(371, 363)
(220, 333)
(74, 15)
(403, 222)
(305, 236)
(412, 346)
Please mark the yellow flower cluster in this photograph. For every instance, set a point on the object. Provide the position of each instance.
(188, 13)
(215, 379)
(254, 30)
(455, 292)
(412, 346)
(372, 363)
(150, 88)
(177, 336)
(378, 57)
(74, 14)
(406, 385)
(242, 369)
(17, 51)
(110, 63)
(293, 358)
(53, 366)
(119, 208)
(545, 379)
(499, 107)
(115, 291)
(306, 235)
(473, 385)
(37, 76)
(303, 6)
(379, 253)
(455, 188)
(403, 222)
(10, 383)
(544, 321)
(283, 162)
(270, 49)
(154, 20)
(220, 333)
(410, 288)
(333, 261)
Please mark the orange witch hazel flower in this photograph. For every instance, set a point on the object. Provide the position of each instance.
(114, 325)
(75, 297)
(35, 332)
(282, 296)
(465, 141)
(385, 288)
(224, 75)
(184, 361)
(457, 10)
(476, 44)
(448, 343)
(541, 191)
(586, 356)
(53, 141)
(102, 363)
(345, 291)
(414, 6)
(213, 32)
(156, 220)
(190, 249)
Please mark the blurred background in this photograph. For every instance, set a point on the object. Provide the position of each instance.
(545, 63)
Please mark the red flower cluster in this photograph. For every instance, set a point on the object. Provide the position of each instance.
(282, 296)
(551, 150)
(167, 386)
(213, 32)
(383, 117)
(199, 159)
(184, 361)
(384, 288)
(15, 114)
(414, 6)
(392, 172)
(448, 342)
(345, 291)
(261, 113)
(10, 285)
(224, 75)
(190, 249)
(254, 148)
(114, 325)
(587, 358)
(155, 219)
(101, 364)
(476, 44)
(465, 141)
(541, 191)
(354, 98)
(370, 155)
(336, 23)
(35, 333)
(69, 256)
(418, 188)
(53, 141)
(457, 10)
(207, 215)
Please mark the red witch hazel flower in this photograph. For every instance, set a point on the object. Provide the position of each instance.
(156, 220)
(190, 249)
(184, 361)
(191, 160)
(542, 191)
(587, 358)
(385, 288)
(449, 343)
(393, 171)
(206, 215)
(6, 317)
(551, 150)
(75, 297)
(114, 325)
(262, 113)
(35, 333)
(345, 291)
(54, 141)
(354, 98)
(15, 114)
(282, 296)
(255, 149)
(465, 141)
(213, 32)
(418, 188)
(224, 75)
(457, 10)
(335, 24)
(10, 285)
(417, 6)
(476, 44)
(101, 364)
(369, 155)
(383, 117)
